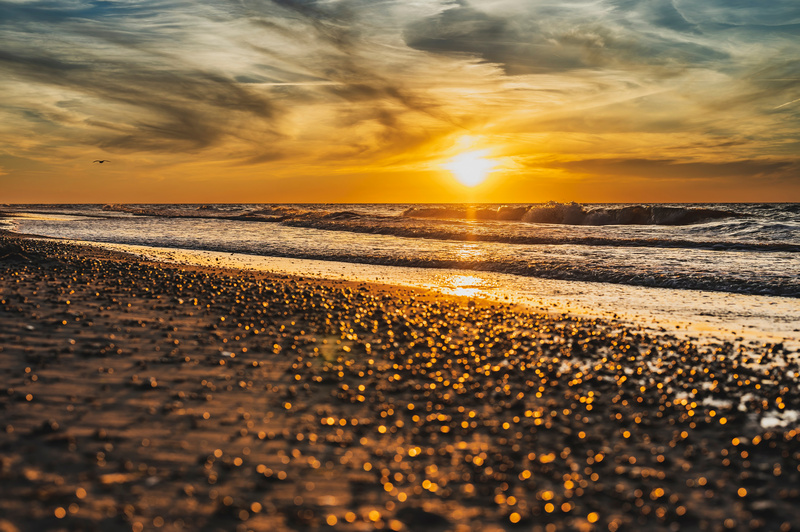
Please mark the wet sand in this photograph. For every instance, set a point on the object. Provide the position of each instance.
(140, 396)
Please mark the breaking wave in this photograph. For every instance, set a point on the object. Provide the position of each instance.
(455, 223)
(743, 248)
(576, 214)
(272, 213)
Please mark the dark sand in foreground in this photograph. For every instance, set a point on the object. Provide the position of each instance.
(144, 396)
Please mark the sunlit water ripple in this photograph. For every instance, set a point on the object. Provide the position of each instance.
(748, 249)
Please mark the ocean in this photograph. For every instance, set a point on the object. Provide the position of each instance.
(730, 262)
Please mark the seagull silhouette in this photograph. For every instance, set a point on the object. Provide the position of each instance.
(101, 161)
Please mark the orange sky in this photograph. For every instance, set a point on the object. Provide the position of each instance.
(357, 101)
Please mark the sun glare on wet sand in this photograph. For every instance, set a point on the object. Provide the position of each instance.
(471, 168)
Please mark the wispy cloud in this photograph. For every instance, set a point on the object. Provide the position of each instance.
(337, 85)
(785, 104)
(682, 170)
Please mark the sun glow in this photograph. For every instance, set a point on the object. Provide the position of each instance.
(471, 168)
(464, 285)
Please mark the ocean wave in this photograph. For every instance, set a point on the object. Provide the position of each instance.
(164, 211)
(560, 270)
(576, 214)
(725, 230)
(396, 227)
(754, 253)
(785, 285)
(274, 213)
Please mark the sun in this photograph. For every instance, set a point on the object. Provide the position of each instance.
(471, 168)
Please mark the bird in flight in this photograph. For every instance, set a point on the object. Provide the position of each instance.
(101, 161)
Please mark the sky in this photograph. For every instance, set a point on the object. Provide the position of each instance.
(385, 100)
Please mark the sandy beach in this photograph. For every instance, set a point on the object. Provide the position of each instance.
(138, 395)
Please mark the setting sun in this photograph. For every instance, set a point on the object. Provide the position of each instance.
(471, 168)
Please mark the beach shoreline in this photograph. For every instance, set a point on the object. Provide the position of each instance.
(144, 395)
(689, 314)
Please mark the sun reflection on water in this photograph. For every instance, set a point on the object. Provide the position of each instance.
(468, 252)
(465, 284)
(462, 285)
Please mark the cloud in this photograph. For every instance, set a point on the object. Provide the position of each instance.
(546, 38)
(159, 77)
(681, 170)
(108, 76)
(740, 12)
(332, 85)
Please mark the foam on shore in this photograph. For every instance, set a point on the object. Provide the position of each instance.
(693, 314)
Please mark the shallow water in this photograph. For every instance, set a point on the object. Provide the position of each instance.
(711, 316)
(728, 270)
(748, 249)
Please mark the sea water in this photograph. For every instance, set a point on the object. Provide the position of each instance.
(732, 268)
